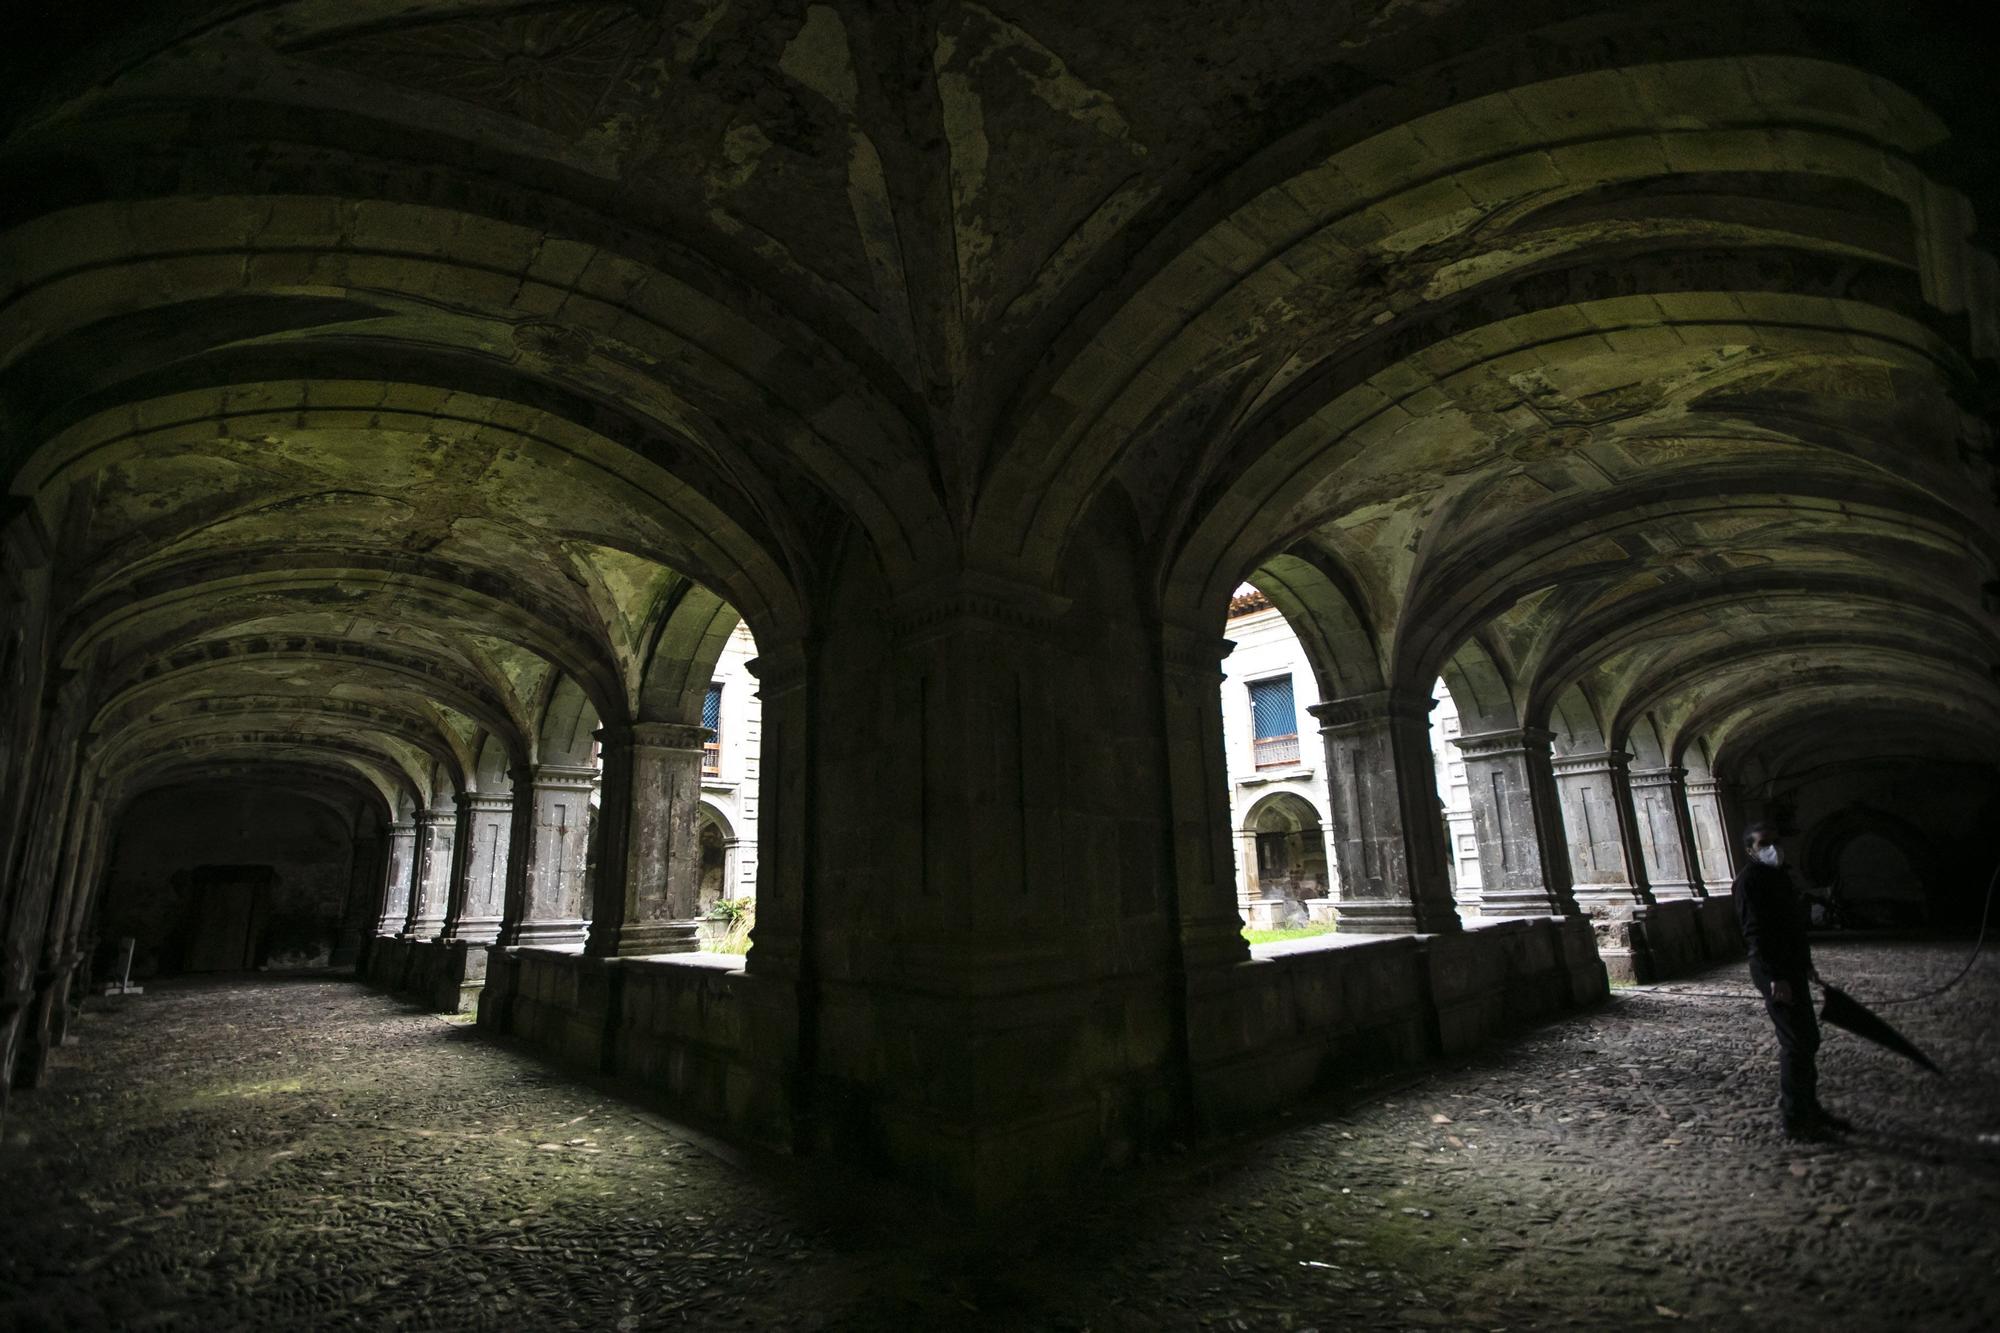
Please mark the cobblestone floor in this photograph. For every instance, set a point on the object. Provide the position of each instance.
(304, 1154)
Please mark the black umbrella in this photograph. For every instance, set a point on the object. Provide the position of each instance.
(1844, 1011)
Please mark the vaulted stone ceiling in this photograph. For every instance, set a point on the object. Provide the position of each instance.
(377, 361)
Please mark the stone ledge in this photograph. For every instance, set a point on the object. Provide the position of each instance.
(717, 1039)
(443, 975)
(1287, 1024)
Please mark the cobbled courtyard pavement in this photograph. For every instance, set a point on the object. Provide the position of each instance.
(300, 1153)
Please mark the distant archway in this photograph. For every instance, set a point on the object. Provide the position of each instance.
(718, 843)
(1288, 841)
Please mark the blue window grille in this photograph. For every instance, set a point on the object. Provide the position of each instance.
(1274, 722)
(711, 718)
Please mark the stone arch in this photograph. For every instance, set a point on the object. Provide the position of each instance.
(718, 875)
(1246, 250)
(1574, 720)
(1321, 605)
(686, 646)
(1480, 689)
(1642, 741)
(1860, 841)
(1288, 853)
(493, 767)
(569, 721)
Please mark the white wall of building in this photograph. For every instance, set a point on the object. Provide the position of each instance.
(1267, 648)
(730, 795)
(1462, 845)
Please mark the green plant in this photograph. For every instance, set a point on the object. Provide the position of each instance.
(733, 910)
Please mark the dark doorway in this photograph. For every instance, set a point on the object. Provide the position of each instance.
(229, 908)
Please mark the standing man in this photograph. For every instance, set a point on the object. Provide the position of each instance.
(1773, 914)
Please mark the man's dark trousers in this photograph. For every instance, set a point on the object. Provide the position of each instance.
(1798, 1044)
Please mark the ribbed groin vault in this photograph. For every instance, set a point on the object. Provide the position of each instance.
(402, 402)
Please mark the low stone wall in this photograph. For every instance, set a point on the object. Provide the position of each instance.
(1721, 930)
(722, 1043)
(1288, 1023)
(1662, 941)
(442, 975)
(697, 1027)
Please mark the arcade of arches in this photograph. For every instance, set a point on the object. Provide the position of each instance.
(401, 403)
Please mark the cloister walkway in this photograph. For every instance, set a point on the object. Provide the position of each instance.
(303, 1153)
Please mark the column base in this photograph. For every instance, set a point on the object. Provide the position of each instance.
(642, 939)
(544, 934)
(1519, 903)
(1602, 900)
(1676, 890)
(1388, 916)
(423, 928)
(474, 930)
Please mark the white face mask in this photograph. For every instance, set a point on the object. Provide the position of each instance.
(1771, 855)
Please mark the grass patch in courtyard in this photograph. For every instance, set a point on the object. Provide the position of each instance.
(1284, 933)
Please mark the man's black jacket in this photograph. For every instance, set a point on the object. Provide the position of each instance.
(1774, 919)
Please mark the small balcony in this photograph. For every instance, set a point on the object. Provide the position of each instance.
(1276, 751)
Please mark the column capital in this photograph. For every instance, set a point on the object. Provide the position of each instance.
(655, 736)
(1657, 777)
(1371, 709)
(1601, 761)
(432, 817)
(402, 828)
(578, 777)
(1517, 740)
(489, 801)
(778, 669)
(974, 600)
(1708, 786)
(1194, 651)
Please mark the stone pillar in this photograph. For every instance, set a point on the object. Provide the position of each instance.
(785, 800)
(365, 875)
(1606, 867)
(396, 884)
(1713, 838)
(1388, 835)
(649, 849)
(479, 888)
(1735, 803)
(546, 856)
(1659, 800)
(1211, 919)
(430, 883)
(1524, 867)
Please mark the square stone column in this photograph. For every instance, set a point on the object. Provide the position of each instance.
(546, 855)
(1211, 912)
(359, 915)
(1388, 834)
(1713, 840)
(1607, 869)
(430, 885)
(1523, 865)
(396, 883)
(786, 796)
(479, 888)
(649, 854)
(1659, 800)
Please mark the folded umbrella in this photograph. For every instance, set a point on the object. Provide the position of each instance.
(1844, 1011)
